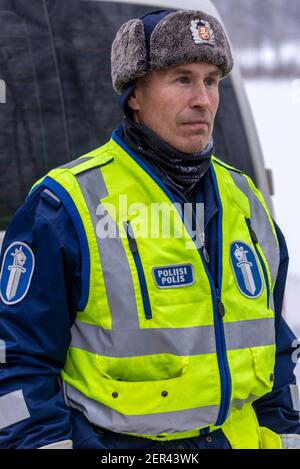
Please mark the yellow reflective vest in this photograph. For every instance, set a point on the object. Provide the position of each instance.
(157, 349)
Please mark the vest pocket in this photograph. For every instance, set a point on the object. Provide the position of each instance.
(139, 267)
(260, 258)
(141, 369)
(139, 394)
(263, 361)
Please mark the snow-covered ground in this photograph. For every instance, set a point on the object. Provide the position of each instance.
(276, 108)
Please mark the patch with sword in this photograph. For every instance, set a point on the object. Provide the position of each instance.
(16, 272)
(246, 270)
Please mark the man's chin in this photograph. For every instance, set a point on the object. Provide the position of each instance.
(189, 143)
(190, 146)
(188, 149)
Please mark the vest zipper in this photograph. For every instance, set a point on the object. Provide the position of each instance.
(223, 362)
(139, 267)
(224, 369)
(219, 313)
(225, 377)
(255, 242)
(219, 310)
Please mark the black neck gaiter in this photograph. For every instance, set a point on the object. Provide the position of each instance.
(183, 169)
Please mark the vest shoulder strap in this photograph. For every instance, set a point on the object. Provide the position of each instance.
(98, 157)
(225, 165)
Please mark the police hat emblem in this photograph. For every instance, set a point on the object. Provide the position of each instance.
(202, 32)
(16, 272)
(246, 271)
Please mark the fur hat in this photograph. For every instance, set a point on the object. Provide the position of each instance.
(164, 38)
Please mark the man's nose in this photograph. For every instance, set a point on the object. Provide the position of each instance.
(200, 97)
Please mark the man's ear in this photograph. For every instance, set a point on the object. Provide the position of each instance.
(133, 101)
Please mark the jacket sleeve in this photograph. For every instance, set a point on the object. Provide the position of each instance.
(279, 410)
(35, 330)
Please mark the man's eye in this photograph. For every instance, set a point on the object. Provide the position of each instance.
(183, 80)
(211, 82)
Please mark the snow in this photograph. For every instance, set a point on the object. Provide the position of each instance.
(276, 108)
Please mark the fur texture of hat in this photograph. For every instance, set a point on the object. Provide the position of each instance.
(174, 40)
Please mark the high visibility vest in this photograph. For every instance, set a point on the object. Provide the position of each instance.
(157, 349)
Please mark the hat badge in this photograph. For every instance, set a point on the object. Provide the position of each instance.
(202, 32)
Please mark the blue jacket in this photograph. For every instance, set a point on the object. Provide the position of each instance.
(36, 330)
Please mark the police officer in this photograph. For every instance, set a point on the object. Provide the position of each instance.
(113, 337)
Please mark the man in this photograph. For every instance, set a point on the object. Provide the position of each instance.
(155, 341)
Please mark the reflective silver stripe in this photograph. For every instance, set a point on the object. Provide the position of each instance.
(51, 195)
(272, 301)
(149, 424)
(13, 408)
(260, 224)
(76, 162)
(181, 342)
(63, 389)
(239, 403)
(295, 397)
(252, 333)
(2, 352)
(116, 270)
(290, 441)
(65, 444)
(93, 187)
(139, 342)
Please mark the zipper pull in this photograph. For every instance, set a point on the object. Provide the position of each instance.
(252, 233)
(131, 239)
(220, 306)
(204, 250)
(205, 254)
(221, 309)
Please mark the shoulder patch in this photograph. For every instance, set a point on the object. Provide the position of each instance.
(16, 272)
(245, 269)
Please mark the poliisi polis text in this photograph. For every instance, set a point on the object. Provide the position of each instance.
(172, 276)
